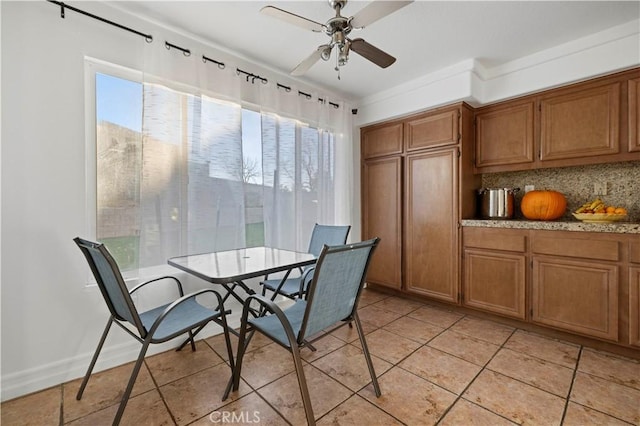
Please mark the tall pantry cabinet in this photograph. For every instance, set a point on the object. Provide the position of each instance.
(417, 184)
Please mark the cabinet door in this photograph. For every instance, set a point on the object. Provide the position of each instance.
(504, 135)
(381, 140)
(580, 297)
(432, 130)
(495, 282)
(581, 123)
(381, 217)
(431, 224)
(634, 306)
(634, 115)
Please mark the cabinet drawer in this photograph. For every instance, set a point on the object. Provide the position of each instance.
(585, 247)
(495, 239)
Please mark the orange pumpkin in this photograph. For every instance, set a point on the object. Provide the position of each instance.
(543, 205)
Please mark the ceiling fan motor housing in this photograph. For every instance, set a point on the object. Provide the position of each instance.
(337, 3)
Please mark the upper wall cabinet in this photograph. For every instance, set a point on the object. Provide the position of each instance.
(634, 114)
(382, 140)
(432, 130)
(504, 135)
(587, 123)
(580, 123)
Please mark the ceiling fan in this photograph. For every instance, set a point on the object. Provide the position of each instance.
(338, 28)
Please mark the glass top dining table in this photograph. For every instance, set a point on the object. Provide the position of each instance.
(231, 267)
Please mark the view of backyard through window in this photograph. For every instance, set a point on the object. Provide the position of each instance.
(181, 173)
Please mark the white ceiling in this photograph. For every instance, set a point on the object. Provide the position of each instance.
(424, 36)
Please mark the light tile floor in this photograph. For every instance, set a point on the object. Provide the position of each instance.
(434, 366)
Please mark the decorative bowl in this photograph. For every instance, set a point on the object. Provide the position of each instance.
(599, 217)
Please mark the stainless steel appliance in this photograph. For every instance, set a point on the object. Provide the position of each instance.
(497, 203)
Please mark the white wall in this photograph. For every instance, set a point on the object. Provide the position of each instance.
(50, 320)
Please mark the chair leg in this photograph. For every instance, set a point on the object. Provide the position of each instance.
(132, 381)
(302, 383)
(191, 339)
(193, 344)
(94, 359)
(367, 356)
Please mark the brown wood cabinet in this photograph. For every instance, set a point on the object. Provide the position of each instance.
(584, 123)
(634, 305)
(382, 140)
(432, 130)
(431, 231)
(414, 199)
(575, 282)
(504, 135)
(634, 292)
(634, 114)
(382, 182)
(494, 268)
(576, 296)
(583, 283)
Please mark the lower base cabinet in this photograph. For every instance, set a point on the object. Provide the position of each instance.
(634, 306)
(581, 297)
(584, 283)
(495, 271)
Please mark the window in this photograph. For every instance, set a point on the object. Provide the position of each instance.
(181, 173)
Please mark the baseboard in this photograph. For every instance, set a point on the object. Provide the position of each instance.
(45, 376)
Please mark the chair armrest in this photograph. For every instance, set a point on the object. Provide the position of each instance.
(178, 283)
(308, 274)
(272, 307)
(183, 299)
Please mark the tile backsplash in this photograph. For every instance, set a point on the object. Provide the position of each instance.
(577, 185)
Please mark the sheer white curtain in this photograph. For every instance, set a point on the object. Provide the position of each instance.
(196, 193)
(299, 166)
(191, 192)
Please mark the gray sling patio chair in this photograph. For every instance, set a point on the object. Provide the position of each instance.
(332, 299)
(295, 287)
(163, 323)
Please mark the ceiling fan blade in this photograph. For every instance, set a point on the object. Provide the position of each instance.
(376, 10)
(292, 18)
(304, 66)
(372, 53)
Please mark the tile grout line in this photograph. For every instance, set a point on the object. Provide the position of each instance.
(459, 397)
(573, 380)
(157, 387)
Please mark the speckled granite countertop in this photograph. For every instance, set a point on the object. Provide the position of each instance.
(618, 228)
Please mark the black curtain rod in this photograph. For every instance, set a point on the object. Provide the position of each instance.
(251, 76)
(221, 65)
(147, 37)
(185, 52)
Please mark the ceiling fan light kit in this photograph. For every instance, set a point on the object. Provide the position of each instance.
(338, 28)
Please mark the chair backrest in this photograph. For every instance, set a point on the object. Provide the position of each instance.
(110, 281)
(336, 286)
(331, 235)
